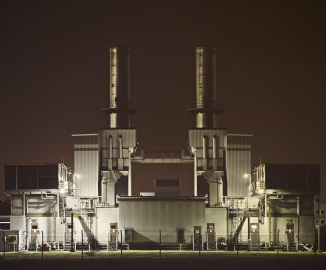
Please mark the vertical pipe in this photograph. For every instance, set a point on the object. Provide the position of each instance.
(104, 190)
(72, 233)
(318, 225)
(23, 204)
(120, 146)
(55, 221)
(248, 233)
(195, 173)
(270, 223)
(266, 223)
(129, 175)
(42, 246)
(214, 146)
(111, 147)
(204, 147)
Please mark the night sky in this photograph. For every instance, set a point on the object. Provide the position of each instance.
(271, 74)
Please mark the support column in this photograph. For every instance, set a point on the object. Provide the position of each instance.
(195, 173)
(214, 147)
(129, 175)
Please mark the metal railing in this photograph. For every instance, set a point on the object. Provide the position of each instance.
(162, 155)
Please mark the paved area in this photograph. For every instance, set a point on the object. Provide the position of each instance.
(169, 259)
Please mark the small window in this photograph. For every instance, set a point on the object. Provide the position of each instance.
(322, 212)
(322, 222)
(317, 221)
(69, 226)
(316, 212)
(180, 235)
(34, 227)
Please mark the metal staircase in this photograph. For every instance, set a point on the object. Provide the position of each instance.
(92, 240)
(236, 229)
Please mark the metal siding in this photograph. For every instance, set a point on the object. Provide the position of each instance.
(196, 137)
(162, 215)
(86, 164)
(238, 164)
(128, 137)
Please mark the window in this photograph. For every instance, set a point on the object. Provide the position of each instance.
(317, 221)
(322, 222)
(316, 212)
(180, 235)
(322, 212)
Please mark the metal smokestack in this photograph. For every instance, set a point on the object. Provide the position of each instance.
(206, 106)
(117, 109)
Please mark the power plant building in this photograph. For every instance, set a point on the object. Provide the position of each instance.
(229, 204)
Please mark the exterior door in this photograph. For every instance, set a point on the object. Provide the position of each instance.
(197, 236)
(211, 232)
(290, 231)
(113, 231)
(34, 229)
(254, 232)
(68, 232)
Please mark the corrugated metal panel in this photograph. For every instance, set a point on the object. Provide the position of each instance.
(128, 137)
(196, 137)
(161, 215)
(238, 164)
(86, 164)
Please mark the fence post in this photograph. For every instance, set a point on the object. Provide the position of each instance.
(278, 242)
(4, 247)
(82, 244)
(193, 243)
(121, 243)
(237, 247)
(207, 241)
(216, 248)
(160, 245)
(200, 238)
(42, 246)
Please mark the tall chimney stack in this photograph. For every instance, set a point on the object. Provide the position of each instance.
(206, 107)
(117, 109)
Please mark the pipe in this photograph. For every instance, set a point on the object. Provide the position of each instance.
(129, 174)
(104, 190)
(195, 173)
(55, 222)
(214, 146)
(270, 223)
(23, 204)
(219, 192)
(204, 147)
(120, 146)
(110, 147)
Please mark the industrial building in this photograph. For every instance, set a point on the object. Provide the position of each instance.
(273, 206)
